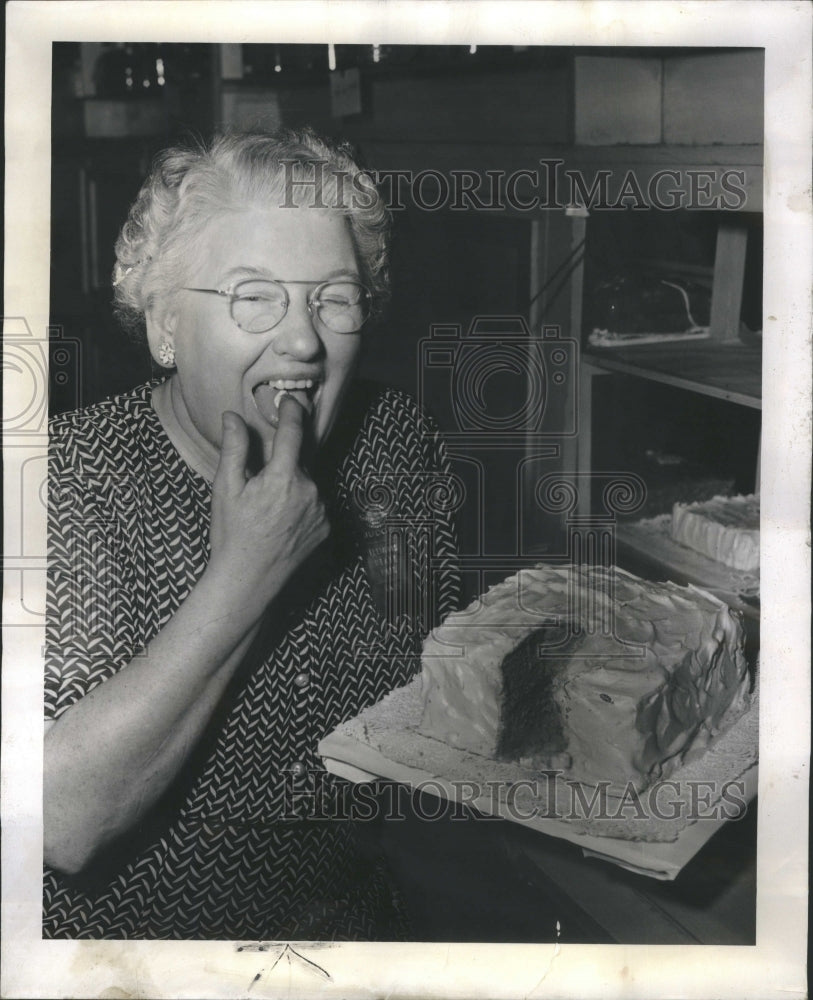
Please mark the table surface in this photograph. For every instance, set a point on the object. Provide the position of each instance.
(490, 880)
(712, 901)
(471, 877)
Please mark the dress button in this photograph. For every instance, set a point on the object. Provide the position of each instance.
(299, 770)
(303, 679)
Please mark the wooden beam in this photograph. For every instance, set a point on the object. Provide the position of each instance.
(729, 273)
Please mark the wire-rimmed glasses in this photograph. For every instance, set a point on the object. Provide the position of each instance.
(258, 305)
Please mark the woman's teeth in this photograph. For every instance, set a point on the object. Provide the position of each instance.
(267, 395)
(284, 387)
(291, 383)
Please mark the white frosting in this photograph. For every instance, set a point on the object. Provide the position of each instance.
(668, 695)
(724, 528)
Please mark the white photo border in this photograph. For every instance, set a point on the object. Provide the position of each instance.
(775, 966)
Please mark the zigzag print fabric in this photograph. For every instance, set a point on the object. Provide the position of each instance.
(234, 851)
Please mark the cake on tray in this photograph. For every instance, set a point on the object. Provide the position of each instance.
(595, 672)
(725, 529)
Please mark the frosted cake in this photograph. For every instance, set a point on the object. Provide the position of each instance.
(725, 529)
(526, 674)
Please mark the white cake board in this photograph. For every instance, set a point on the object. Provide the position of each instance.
(382, 742)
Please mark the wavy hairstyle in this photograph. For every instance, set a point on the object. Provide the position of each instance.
(188, 185)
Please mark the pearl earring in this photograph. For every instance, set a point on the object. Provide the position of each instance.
(166, 354)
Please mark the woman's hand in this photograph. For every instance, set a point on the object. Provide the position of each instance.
(265, 526)
(111, 755)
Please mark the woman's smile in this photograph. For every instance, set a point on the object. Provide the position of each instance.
(220, 366)
(267, 395)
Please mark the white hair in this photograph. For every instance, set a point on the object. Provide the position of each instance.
(189, 185)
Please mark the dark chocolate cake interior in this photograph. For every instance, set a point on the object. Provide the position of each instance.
(530, 719)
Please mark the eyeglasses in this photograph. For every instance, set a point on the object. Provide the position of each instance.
(257, 306)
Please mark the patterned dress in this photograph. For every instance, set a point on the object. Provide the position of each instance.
(250, 842)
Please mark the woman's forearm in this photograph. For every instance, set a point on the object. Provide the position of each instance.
(112, 754)
(110, 757)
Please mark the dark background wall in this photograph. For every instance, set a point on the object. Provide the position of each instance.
(416, 108)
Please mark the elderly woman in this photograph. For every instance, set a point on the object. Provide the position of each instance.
(221, 592)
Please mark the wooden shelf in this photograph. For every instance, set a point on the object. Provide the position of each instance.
(730, 371)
